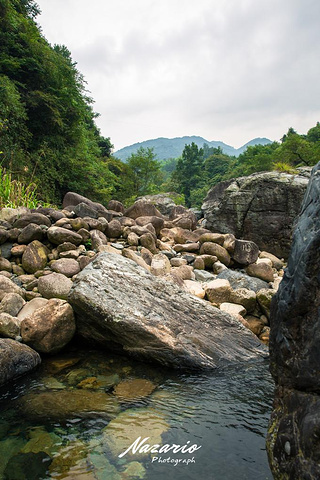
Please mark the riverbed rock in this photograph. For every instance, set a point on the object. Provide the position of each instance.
(261, 207)
(242, 280)
(31, 307)
(7, 286)
(16, 359)
(260, 270)
(50, 327)
(73, 199)
(34, 257)
(12, 303)
(58, 235)
(122, 307)
(142, 209)
(9, 326)
(134, 389)
(160, 265)
(245, 252)
(66, 266)
(293, 439)
(31, 232)
(37, 218)
(218, 291)
(210, 248)
(54, 285)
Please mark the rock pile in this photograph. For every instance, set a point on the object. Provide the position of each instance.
(43, 252)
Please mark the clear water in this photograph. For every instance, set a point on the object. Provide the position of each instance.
(226, 413)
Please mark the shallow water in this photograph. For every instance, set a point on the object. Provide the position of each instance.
(72, 418)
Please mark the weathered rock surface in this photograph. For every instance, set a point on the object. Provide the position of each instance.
(123, 307)
(16, 359)
(55, 285)
(261, 207)
(242, 280)
(50, 327)
(293, 440)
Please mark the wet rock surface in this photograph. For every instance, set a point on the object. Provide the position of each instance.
(293, 439)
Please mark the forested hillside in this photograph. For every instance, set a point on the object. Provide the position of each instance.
(47, 128)
(48, 135)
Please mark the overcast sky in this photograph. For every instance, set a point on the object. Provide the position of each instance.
(228, 70)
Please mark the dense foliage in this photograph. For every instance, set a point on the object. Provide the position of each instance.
(47, 129)
(199, 169)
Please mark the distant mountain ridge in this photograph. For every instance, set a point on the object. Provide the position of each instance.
(165, 148)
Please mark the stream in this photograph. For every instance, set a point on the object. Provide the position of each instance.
(74, 416)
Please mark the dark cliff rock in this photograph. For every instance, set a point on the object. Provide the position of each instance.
(123, 307)
(294, 433)
(261, 207)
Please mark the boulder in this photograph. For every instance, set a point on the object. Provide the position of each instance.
(157, 222)
(73, 199)
(54, 285)
(11, 303)
(34, 257)
(122, 307)
(9, 326)
(233, 309)
(245, 252)
(98, 238)
(261, 207)
(293, 437)
(31, 232)
(116, 206)
(37, 218)
(160, 265)
(114, 229)
(66, 266)
(261, 270)
(142, 209)
(49, 328)
(242, 280)
(210, 248)
(218, 291)
(246, 298)
(16, 359)
(7, 286)
(84, 210)
(31, 307)
(164, 202)
(5, 265)
(58, 235)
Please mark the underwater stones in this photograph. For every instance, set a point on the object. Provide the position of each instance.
(122, 431)
(50, 327)
(27, 466)
(41, 441)
(59, 405)
(16, 359)
(133, 389)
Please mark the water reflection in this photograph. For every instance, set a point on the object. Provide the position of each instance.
(73, 417)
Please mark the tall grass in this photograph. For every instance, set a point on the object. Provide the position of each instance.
(14, 193)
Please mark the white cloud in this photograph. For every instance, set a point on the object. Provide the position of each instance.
(224, 69)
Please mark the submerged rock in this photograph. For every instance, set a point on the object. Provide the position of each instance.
(123, 307)
(16, 359)
(134, 389)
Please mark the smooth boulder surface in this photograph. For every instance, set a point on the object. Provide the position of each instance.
(16, 359)
(123, 307)
(293, 439)
(261, 207)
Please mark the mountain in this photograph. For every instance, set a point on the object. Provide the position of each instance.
(165, 148)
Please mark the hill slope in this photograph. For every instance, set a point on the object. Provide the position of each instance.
(166, 148)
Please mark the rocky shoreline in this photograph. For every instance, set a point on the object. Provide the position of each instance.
(44, 255)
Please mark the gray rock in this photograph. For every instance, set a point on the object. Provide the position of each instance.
(16, 359)
(261, 207)
(245, 252)
(66, 266)
(164, 202)
(58, 235)
(124, 308)
(12, 304)
(31, 232)
(293, 440)
(5, 250)
(84, 210)
(98, 238)
(242, 280)
(9, 326)
(54, 285)
(7, 286)
(4, 235)
(141, 209)
(116, 206)
(37, 218)
(73, 199)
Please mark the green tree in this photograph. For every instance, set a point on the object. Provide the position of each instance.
(187, 175)
(144, 172)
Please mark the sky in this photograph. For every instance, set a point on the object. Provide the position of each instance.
(226, 70)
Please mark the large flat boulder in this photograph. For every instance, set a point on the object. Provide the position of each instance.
(121, 306)
(16, 359)
(261, 207)
(293, 439)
